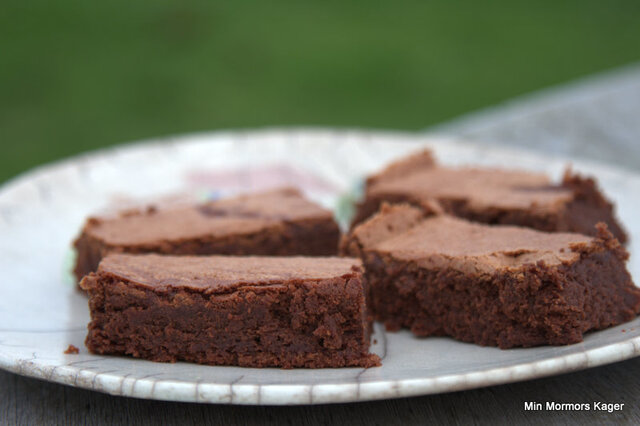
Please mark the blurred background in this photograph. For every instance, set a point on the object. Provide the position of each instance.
(77, 75)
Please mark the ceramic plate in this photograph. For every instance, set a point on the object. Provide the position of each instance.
(41, 313)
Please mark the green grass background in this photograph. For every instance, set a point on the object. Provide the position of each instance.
(77, 75)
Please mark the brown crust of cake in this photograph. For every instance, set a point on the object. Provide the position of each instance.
(526, 305)
(586, 208)
(310, 323)
(311, 231)
(304, 238)
(539, 305)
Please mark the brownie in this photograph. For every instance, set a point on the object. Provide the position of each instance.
(495, 196)
(224, 310)
(275, 223)
(497, 285)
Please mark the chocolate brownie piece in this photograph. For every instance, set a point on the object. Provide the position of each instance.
(223, 310)
(496, 196)
(275, 223)
(497, 285)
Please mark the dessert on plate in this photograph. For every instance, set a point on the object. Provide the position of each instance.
(488, 256)
(503, 286)
(493, 196)
(226, 310)
(275, 223)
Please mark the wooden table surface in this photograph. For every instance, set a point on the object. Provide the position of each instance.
(597, 118)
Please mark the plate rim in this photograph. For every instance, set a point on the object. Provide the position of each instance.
(324, 393)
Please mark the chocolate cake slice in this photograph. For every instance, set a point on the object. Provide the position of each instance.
(223, 310)
(276, 223)
(502, 286)
(496, 196)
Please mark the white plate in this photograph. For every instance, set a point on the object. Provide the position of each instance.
(41, 313)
